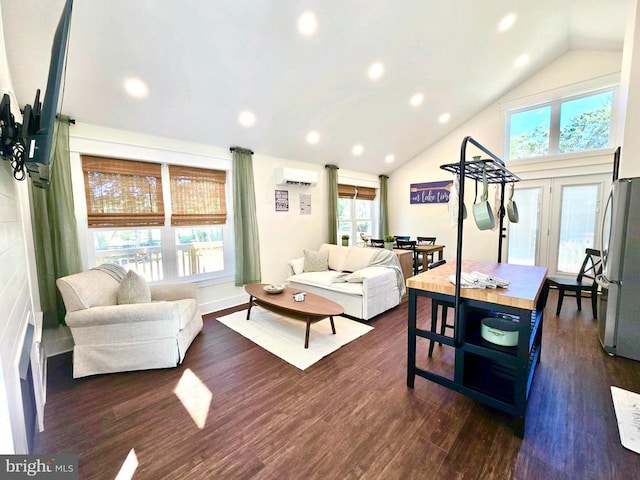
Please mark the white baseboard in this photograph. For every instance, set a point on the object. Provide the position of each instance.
(216, 306)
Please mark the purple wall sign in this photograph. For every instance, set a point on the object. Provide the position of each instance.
(432, 192)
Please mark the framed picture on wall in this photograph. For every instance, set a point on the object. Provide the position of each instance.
(282, 200)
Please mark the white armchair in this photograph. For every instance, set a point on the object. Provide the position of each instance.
(109, 337)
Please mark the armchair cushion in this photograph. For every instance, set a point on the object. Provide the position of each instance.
(133, 289)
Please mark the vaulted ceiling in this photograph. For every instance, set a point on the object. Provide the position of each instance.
(201, 63)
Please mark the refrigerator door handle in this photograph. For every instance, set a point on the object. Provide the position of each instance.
(604, 249)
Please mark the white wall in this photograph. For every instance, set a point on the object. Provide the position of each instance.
(629, 163)
(574, 70)
(16, 305)
(282, 235)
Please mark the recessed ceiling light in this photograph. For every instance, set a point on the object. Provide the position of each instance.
(307, 24)
(507, 22)
(376, 70)
(390, 158)
(417, 99)
(444, 118)
(357, 150)
(136, 87)
(521, 61)
(247, 118)
(313, 137)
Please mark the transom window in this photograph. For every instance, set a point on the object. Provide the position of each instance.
(133, 227)
(576, 124)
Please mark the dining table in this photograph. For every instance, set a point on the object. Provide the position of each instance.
(425, 250)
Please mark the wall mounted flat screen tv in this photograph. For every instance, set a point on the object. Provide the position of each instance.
(39, 121)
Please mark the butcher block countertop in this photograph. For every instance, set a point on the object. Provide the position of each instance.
(523, 291)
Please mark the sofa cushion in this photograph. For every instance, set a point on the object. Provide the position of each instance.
(337, 255)
(357, 258)
(316, 261)
(133, 289)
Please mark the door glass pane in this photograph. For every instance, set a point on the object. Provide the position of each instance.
(585, 123)
(524, 235)
(577, 225)
(344, 208)
(529, 133)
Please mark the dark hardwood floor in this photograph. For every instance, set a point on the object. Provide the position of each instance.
(349, 416)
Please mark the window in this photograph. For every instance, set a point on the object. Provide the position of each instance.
(126, 212)
(198, 201)
(570, 125)
(355, 212)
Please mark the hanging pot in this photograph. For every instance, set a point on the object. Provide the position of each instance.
(482, 211)
(512, 208)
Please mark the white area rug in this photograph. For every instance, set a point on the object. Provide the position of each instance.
(285, 337)
(627, 407)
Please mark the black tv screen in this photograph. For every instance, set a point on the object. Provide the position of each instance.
(38, 148)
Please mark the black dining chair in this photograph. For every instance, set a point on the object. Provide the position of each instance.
(410, 245)
(375, 242)
(426, 241)
(584, 282)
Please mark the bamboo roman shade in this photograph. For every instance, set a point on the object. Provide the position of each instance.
(122, 193)
(352, 191)
(197, 196)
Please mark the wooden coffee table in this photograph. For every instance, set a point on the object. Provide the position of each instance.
(313, 309)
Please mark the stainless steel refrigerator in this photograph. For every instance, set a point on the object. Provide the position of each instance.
(619, 301)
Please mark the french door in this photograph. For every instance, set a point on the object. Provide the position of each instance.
(558, 219)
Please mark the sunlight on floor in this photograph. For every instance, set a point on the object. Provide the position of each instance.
(128, 467)
(195, 397)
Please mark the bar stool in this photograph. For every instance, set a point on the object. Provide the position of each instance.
(434, 311)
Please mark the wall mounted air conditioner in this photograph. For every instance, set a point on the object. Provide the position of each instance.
(296, 176)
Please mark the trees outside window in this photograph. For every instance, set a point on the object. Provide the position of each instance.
(565, 126)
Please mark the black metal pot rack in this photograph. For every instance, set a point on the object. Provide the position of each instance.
(496, 173)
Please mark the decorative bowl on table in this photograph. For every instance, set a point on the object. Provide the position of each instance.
(274, 288)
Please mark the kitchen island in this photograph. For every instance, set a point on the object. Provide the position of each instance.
(499, 376)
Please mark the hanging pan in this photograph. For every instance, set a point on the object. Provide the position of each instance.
(482, 211)
(512, 208)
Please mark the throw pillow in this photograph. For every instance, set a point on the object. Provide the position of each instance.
(354, 277)
(316, 261)
(297, 265)
(133, 289)
(340, 278)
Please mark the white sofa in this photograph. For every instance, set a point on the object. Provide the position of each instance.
(364, 281)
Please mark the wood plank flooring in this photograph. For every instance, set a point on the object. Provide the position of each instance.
(349, 416)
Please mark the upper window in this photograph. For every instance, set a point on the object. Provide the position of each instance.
(126, 213)
(576, 124)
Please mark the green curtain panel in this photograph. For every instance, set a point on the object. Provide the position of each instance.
(384, 206)
(245, 221)
(55, 233)
(332, 201)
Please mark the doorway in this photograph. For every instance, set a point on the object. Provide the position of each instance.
(558, 219)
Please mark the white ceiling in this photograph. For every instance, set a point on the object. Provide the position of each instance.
(206, 61)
